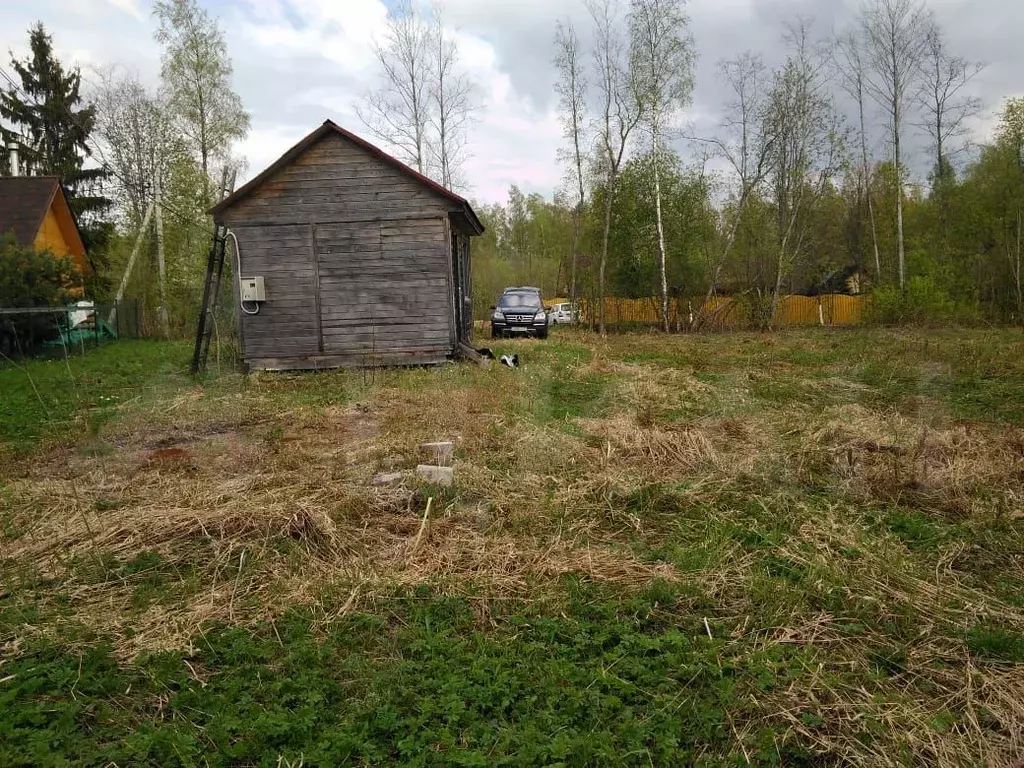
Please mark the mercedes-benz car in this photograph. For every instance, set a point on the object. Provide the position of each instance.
(519, 312)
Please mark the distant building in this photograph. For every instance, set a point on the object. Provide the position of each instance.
(35, 210)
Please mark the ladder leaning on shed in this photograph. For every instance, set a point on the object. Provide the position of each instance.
(211, 287)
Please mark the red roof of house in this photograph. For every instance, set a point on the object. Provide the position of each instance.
(329, 127)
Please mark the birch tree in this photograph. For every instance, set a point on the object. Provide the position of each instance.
(852, 75)
(453, 96)
(571, 88)
(943, 99)
(137, 138)
(664, 57)
(806, 152)
(620, 113)
(399, 112)
(196, 71)
(745, 144)
(895, 34)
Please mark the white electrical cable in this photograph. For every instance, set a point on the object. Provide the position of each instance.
(238, 260)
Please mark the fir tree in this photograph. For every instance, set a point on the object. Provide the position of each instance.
(52, 125)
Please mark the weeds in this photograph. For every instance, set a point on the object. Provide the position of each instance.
(799, 549)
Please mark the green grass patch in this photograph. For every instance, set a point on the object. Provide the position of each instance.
(597, 686)
(68, 400)
(567, 395)
(990, 641)
(992, 400)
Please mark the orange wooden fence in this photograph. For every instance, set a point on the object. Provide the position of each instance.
(729, 313)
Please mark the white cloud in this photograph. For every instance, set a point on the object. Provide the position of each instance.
(131, 7)
(298, 62)
(335, 40)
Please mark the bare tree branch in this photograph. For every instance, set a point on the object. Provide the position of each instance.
(664, 56)
(398, 112)
(621, 112)
(895, 35)
(571, 88)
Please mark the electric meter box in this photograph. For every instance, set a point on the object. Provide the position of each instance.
(253, 289)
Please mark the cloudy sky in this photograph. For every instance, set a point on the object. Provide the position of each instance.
(298, 62)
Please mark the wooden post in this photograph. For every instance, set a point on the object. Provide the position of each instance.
(131, 263)
(161, 262)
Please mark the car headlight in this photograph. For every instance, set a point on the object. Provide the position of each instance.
(541, 317)
(498, 315)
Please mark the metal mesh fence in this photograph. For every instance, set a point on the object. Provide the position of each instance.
(74, 329)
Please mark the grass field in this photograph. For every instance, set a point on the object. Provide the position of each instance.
(793, 549)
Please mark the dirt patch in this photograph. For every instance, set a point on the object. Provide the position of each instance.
(168, 455)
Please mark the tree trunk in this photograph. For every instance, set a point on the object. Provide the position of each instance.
(661, 242)
(1016, 274)
(165, 325)
(900, 247)
(604, 252)
(867, 188)
(576, 227)
(577, 234)
(729, 243)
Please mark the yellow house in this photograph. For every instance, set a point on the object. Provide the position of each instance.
(35, 210)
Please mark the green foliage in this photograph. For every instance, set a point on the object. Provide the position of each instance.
(30, 278)
(633, 253)
(607, 683)
(197, 73)
(54, 127)
(924, 302)
(528, 242)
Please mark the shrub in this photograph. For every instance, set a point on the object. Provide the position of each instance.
(924, 302)
(30, 278)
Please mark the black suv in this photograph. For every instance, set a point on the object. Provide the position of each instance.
(519, 311)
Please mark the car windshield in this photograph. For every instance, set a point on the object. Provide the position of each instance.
(517, 300)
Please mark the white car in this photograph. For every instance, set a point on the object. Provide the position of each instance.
(563, 314)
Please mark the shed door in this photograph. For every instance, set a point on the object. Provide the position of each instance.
(463, 309)
(286, 325)
(384, 288)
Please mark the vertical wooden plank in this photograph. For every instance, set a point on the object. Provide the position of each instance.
(452, 290)
(316, 288)
(236, 288)
(467, 282)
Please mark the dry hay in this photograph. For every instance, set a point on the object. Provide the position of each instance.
(268, 522)
(667, 449)
(890, 457)
(882, 578)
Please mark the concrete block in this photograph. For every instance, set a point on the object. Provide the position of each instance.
(441, 452)
(443, 476)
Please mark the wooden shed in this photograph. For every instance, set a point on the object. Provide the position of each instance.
(358, 259)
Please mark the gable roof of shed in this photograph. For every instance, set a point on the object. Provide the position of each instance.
(24, 201)
(330, 127)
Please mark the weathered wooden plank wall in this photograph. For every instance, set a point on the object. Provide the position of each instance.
(284, 256)
(335, 179)
(384, 286)
(357, 262)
